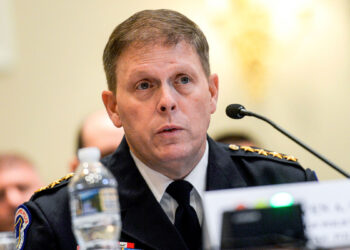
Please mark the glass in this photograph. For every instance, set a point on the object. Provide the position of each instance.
(7, 241)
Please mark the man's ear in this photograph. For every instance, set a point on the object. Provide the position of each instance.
(214, 91)
(110, 101)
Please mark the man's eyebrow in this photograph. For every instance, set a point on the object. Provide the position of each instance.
(178, 69)
(139, 75)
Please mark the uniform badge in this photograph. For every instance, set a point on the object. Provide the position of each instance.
(23, 219)
(126, 245)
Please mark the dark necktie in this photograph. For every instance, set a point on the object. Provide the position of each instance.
(186, 220)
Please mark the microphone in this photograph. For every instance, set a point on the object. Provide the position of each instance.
(238, 111)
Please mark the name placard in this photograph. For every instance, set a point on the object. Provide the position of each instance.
(325, 205)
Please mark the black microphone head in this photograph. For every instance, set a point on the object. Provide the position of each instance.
(234, 111)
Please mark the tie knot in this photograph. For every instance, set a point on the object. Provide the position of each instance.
(180, 190)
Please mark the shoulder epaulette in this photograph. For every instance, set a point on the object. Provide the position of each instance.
(55, 183)
(262, 152)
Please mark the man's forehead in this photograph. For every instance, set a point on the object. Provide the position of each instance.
(140, 58)
(17, 176)
(141, 47)
(15, 166)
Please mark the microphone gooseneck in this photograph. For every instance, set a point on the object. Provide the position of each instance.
(237, 111)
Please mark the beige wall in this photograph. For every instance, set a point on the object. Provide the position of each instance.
(58, 77)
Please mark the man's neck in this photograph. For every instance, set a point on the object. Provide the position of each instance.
(174, 169)
(158, 182)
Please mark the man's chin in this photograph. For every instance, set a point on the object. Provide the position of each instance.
(175, 153)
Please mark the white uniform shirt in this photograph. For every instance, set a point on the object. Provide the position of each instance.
(158, 183)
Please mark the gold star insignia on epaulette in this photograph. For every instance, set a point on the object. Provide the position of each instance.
(290, 158)
(275, 154)
(247, 148)
(53, 184)
(263, 152)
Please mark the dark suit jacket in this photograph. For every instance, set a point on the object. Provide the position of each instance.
(144, 221)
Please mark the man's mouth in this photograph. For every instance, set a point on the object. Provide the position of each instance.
(169, 129)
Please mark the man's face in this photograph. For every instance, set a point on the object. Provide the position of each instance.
(17, 184)
(164, 102)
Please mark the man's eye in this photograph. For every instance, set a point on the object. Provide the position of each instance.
(23, 188)
(143, 85)
(184, 80)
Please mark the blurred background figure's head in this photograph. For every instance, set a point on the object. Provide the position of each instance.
(18, 181)
(97, 130)
(238, 138)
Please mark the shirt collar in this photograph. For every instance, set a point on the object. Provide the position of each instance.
(158, 182)
(197, 177)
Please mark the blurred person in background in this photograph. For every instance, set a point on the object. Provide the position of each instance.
(97, 130)
(237, 138)
(18, 181)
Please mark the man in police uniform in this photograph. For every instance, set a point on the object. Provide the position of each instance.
(162, 93)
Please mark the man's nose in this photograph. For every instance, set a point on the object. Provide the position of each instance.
(167, 100)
